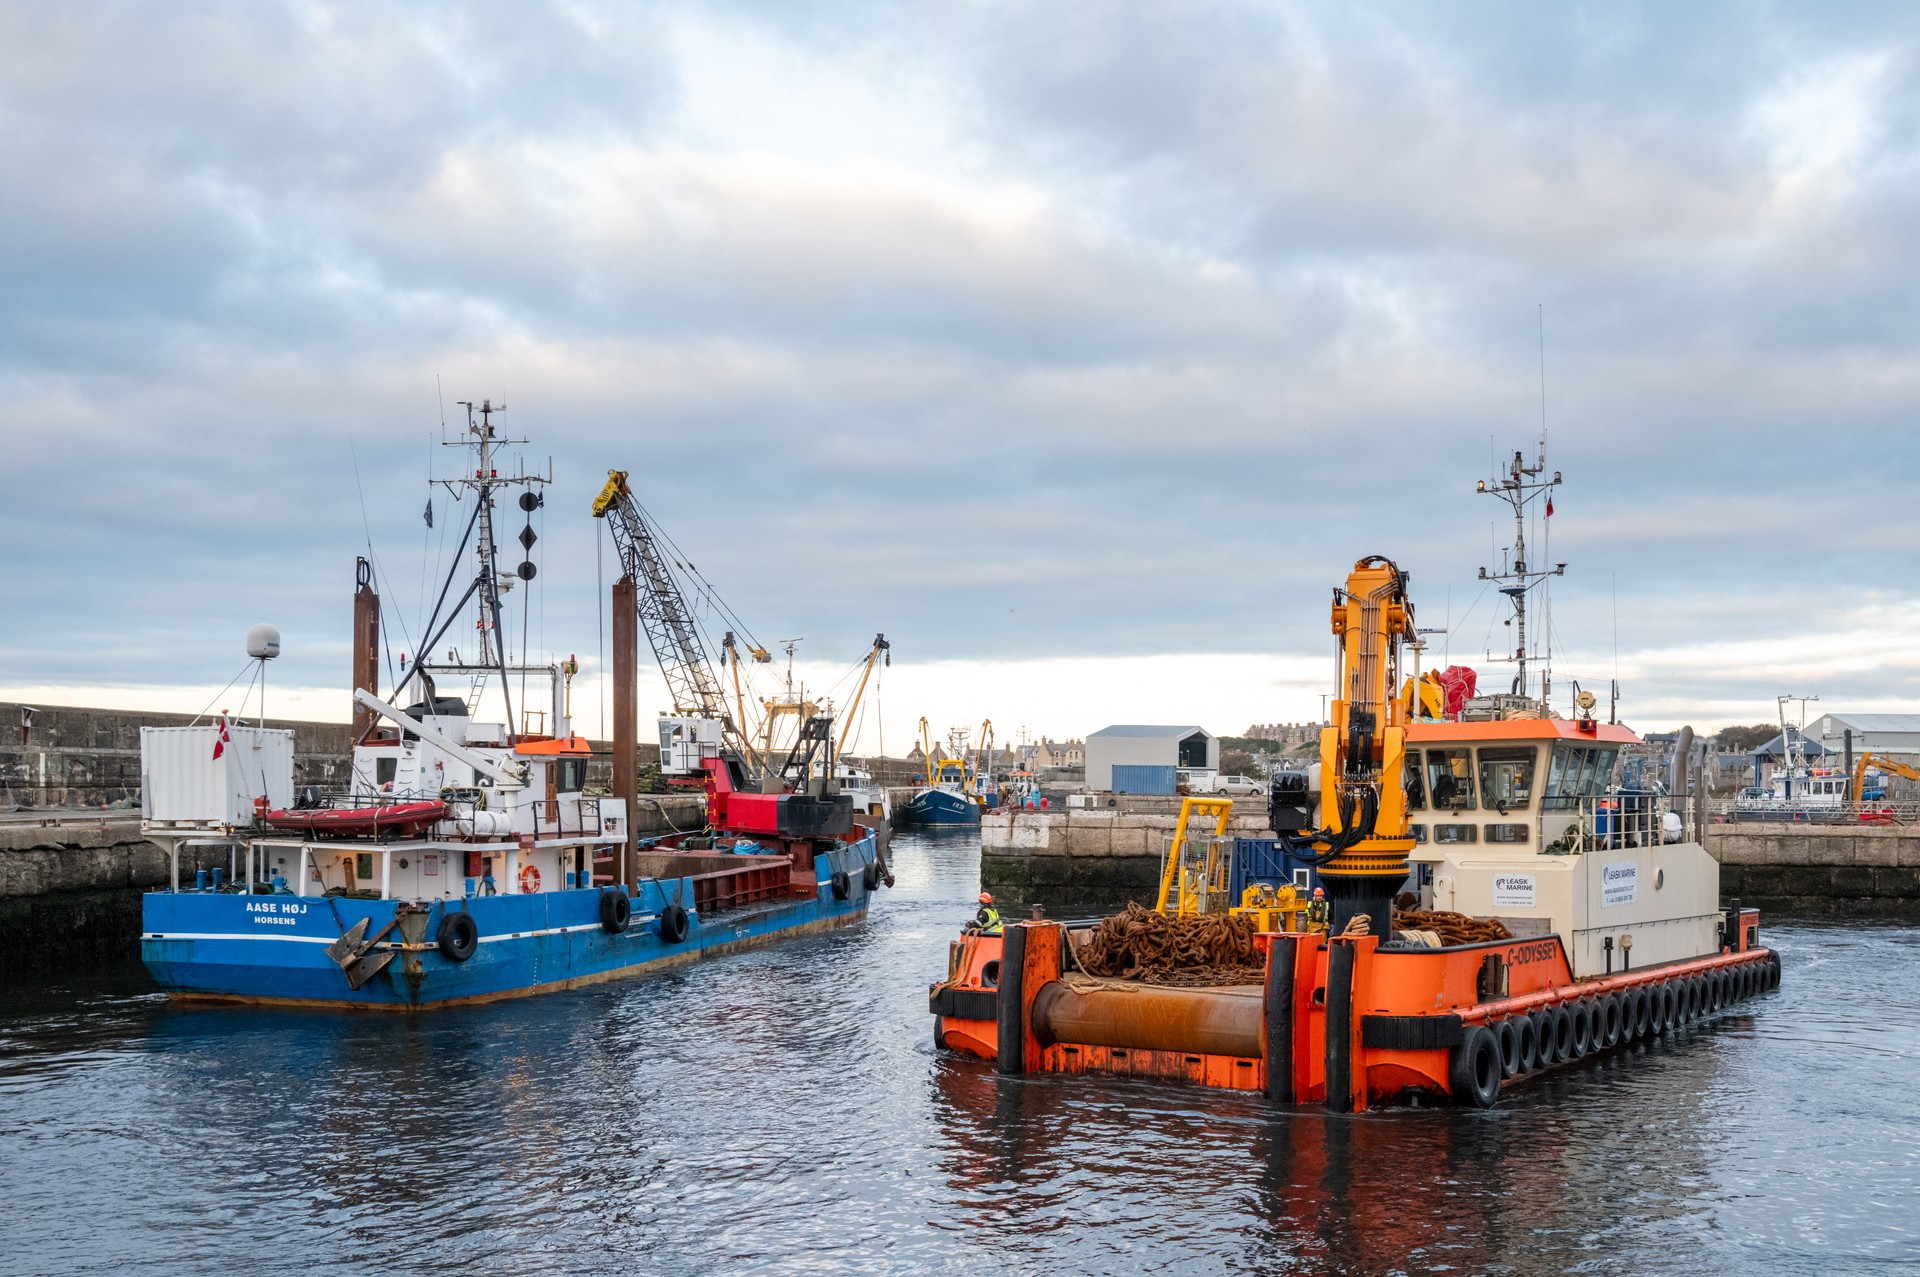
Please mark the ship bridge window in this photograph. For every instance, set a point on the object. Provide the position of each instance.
(1415, 783)
(573, 775)
(384, 770)
(1506, 778)
(1577, 772)
(1450, 779)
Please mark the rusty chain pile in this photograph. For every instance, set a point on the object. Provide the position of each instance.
(1452, 928)
(1190, 952)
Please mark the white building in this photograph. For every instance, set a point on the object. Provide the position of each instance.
(1147, 746)
(1897, 735)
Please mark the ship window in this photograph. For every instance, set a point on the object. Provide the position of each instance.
(384, 770)
(1506, 778)
(1576, 772)
(1450, 779)
(573, 775)
(1455, 833)
(1415, 782)
(1506, 833)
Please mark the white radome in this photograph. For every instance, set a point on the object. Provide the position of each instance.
(263, 642)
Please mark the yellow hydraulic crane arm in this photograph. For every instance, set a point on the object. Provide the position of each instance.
(1361, 849)
(880, 645)
(926, 744)
(1885, 764)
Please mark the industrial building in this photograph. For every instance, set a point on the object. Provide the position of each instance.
(1145, 759)
(1851, 735)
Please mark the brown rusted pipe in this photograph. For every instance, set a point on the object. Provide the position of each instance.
(1147, 1018)
(626, 717)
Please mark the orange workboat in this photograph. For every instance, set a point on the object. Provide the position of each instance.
(1489, 811)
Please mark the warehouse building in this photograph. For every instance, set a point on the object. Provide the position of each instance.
(1144, 759)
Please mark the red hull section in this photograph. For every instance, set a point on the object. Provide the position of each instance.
(397, 819)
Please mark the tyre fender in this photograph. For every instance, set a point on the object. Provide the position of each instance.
(1473, 1073)
(673, 924)
(616, 911)
(458, 936)
(1506, 1034)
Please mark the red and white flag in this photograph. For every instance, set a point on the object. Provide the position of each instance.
(1549, 507)
(220, 740)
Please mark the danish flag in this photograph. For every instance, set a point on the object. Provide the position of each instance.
(220, 741)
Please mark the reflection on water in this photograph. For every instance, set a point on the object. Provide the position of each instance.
(785, 1111)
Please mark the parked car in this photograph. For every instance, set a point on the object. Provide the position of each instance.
(1240, 787)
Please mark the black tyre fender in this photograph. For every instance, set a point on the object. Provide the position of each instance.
(1640, 1003)
(1473, 1073)
(1582, 1028)
(1563, 1035)
(1716, 989)
(1611, 1012)
(1750, 980)
(673, 924)
(458, 936)
(1506, 1034)
(1547, 1051)
(842, 885)
(1773, 970)
(1527, 1038)
(616, 911)
(870, 878)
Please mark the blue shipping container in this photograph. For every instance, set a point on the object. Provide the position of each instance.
(1140, 778)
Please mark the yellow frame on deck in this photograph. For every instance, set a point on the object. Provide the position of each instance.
(1187, 902)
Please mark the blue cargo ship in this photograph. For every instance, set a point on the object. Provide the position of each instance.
(466, 861)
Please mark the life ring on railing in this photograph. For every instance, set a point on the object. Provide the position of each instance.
(529, 879)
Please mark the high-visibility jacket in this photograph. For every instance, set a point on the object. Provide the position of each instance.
(1319, 915)
(988, 920)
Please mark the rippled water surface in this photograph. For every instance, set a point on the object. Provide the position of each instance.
(784, 1111)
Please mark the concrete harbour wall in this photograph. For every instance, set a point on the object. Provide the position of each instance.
(1100, 858)
(1820, 872)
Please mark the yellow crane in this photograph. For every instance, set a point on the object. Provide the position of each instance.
(1882, 762)
(880, 646)
(1362, 847)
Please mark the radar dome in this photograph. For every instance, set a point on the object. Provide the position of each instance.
(263, 642)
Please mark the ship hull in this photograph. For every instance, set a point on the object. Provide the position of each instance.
(273, 949)
(938, 807)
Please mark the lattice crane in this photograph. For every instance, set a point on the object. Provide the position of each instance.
(664, 614)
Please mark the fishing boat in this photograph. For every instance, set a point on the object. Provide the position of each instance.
(1496, 907)
(468, 860)
(950, 793)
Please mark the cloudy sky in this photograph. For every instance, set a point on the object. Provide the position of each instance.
(1079, 348)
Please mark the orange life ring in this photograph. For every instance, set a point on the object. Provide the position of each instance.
(529, 879)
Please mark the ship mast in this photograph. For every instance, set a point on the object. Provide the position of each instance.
(489, 583)
(1519, 487)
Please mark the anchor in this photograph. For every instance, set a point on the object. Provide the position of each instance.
(351, 952)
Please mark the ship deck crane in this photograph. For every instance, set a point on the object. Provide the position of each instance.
(663, 610)
(1362, 847)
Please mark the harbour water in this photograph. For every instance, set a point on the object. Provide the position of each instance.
(785, 1111)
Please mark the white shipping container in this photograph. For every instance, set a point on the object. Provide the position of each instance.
(182, 782)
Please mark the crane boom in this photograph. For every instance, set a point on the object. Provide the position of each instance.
(663, 608)
(1361, 850)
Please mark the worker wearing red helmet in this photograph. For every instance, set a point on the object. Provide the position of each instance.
(1319, 911)
(987, 921)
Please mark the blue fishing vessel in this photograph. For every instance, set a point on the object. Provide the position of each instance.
(466, 861)
(951, 794)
